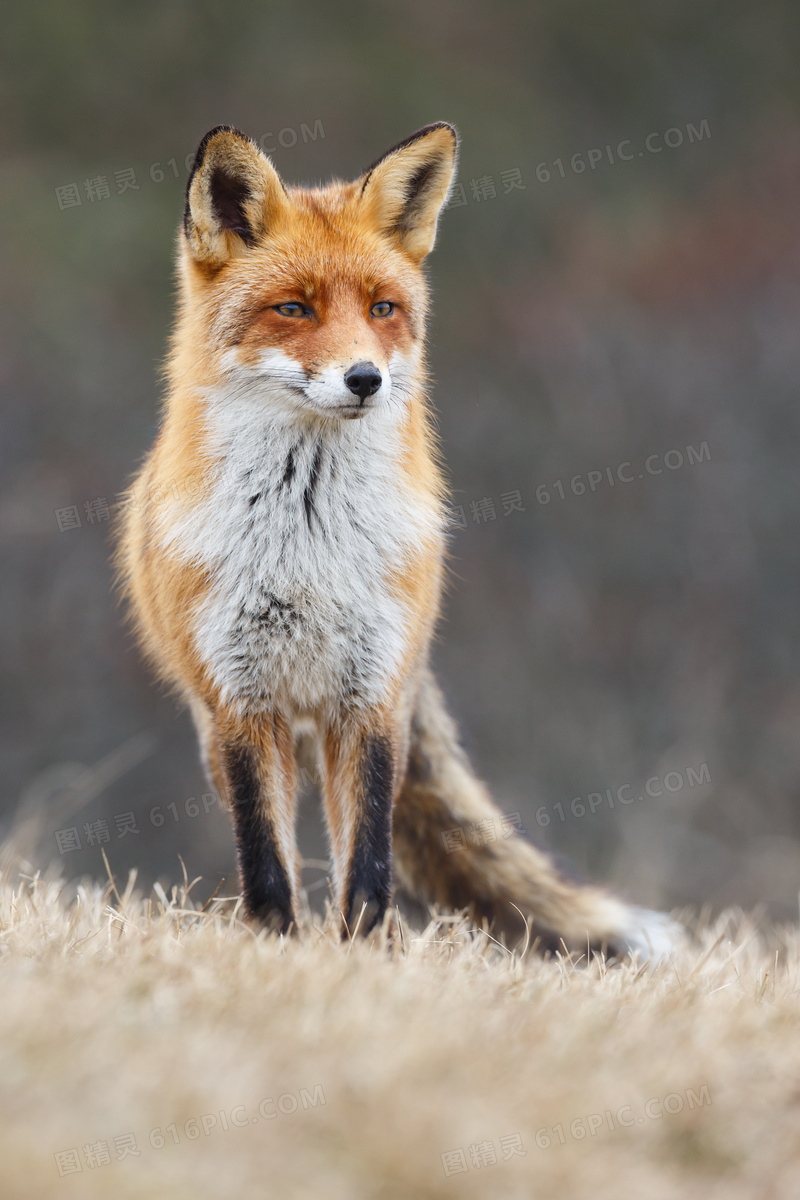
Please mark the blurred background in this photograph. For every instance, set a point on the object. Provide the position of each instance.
(616, 359)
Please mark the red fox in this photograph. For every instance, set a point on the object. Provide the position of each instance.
(283, 554)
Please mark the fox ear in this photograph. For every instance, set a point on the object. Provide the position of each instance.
(234, 195)
(403, 192)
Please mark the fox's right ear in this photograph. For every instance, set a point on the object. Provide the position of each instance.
(234, 195)
(403, 192)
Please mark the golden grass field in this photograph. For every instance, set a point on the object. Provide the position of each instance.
(308, 1068)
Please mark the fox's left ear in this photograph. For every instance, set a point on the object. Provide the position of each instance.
(234, 197)
(403, 192)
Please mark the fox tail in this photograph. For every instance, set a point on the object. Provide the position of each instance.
(498, 881)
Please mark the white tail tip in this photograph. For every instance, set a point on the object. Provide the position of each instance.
(650, 936)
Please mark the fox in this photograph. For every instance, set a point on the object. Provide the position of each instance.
(283, 552)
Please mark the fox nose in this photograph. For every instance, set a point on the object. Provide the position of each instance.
(363, 379)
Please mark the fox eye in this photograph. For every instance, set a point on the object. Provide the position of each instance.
(384, 308)
(293, 309)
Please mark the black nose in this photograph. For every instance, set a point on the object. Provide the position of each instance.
(363, 379)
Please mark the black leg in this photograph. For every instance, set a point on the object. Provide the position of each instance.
(369, 878)
(265, 881)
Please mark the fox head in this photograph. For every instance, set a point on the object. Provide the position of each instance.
(311, 300)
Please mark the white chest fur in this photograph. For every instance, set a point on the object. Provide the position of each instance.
(299, 532)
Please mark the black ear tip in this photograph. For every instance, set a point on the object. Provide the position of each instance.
(212, 133)
(450, 128)
(434, 125)
(224, 129)
(432, 128)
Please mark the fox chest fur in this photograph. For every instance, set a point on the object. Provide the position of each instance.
(303, 534)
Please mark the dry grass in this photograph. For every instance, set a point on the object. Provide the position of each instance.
(123, 1015)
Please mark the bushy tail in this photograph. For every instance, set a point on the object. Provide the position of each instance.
(442, 796)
